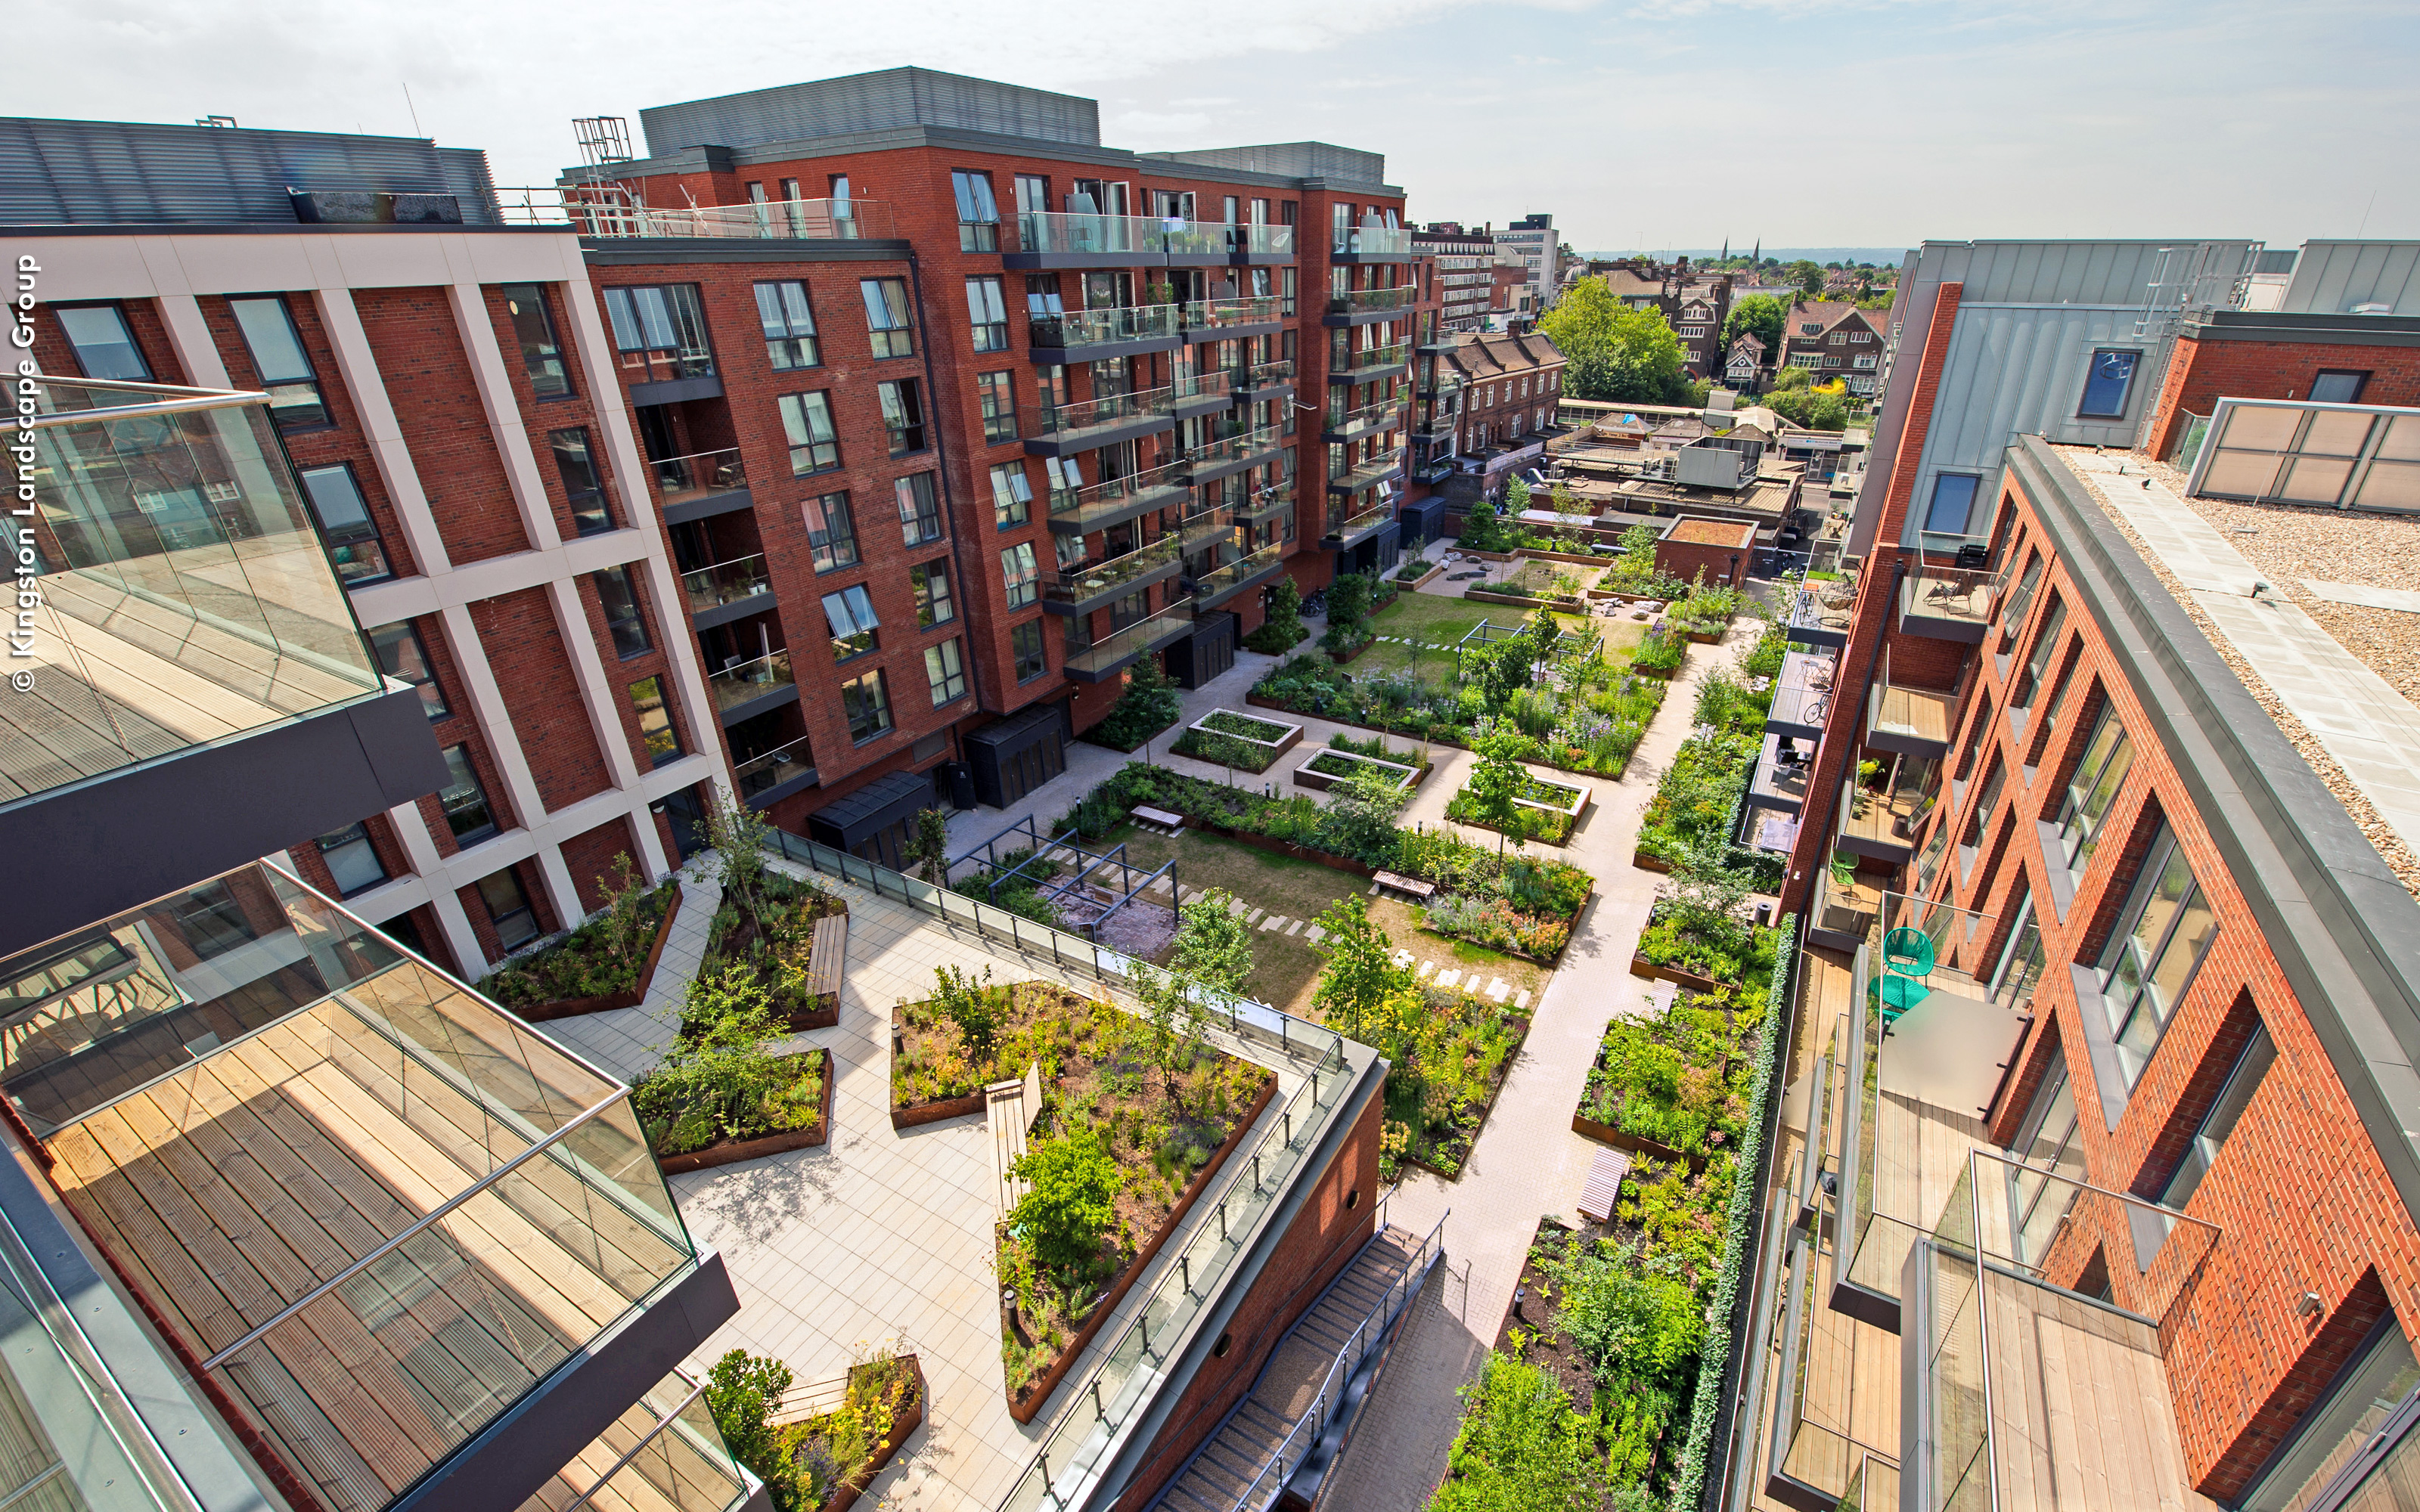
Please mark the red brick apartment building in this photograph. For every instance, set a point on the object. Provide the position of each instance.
(623, 504)
(1694, 302)
(1834, 340)
(2095, 1184)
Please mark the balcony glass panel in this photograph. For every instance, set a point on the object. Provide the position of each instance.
(1099, 328)
(1376, 362)
(1091, 581)
(1268, 241)
(1362, 520)
(1064, 421)
(1369, 472)
(1218, 315)
(1230, 448)
(1076, 234)
(1219, 580)
(679, 479)
(735, 685)
(1372, 241)
(1372, 300)
(726, 583)
(1092, 508)
(1106, 654)
(1199, 238)
(186, 595)
(1345, 424)
(1264, 374)
(1955, 602)
(1812, 622)
(663, 1454)
(1216, 384)
(762, 774)
(608, 213)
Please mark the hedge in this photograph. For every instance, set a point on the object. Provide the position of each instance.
(1688, 1485)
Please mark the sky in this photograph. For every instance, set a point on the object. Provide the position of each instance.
(1637, 123)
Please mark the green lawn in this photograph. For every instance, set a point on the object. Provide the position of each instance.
(1438, 623)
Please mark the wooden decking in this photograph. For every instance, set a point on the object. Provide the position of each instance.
(669, 1475)
(1919, 713)
(228, 1191)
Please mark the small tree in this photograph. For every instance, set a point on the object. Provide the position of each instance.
(741, 1392)
(738, 834)
(1517, 495)
(973, 1009)
(1212, 942)
(1497, 784)
(1146, 707)
(1480, 529)
(930, 847)
(1073, 1183)
(1358, 819)
(626, 920)
(1503, 669)
(1360, 971)
(1169, 1006)
(1348, 599)
(1285, 604)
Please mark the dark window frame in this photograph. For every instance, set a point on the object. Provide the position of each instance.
(868, 721)
(1040, 665)
(657, 756)
(466, 836)
(839, 532)
(547, 358)
(988, 312)
(920, 578)
(310, 414)
(791, 333)
(523, 912)
(896, 336)
(346, 840)
(2094, 380)
(426, 682)
(570, 448)
(340, 541)
(815, 447)
(1973, 482)
(126, 329)
(999, 420)
(2123, 1000)
(902, 404)
(2360, 377)
(854, 627)
(954, 683)
(633, 615)
(925, 519)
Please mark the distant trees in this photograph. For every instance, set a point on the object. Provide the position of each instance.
(1815, 409)
(1613, 352)
(1807, 274)
(1760, 315)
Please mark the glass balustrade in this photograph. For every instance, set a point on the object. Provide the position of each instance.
(726, 583)
(735, 685)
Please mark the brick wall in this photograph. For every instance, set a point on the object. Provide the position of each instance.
(2204, 371)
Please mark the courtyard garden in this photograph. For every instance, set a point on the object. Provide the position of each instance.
(721, 1093)
(602, 963)
(821, 1461)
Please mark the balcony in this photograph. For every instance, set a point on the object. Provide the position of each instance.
(701, 484)
(378, 1214)
(1087, 423)
(1802, 697)
(1345, 424)
(1083, 511)
(1369, 474)
(1203, 393)
(1234, 453)
(1908, 721)
(1808, 621)
(663, 1453)
(1370, 365)
(1948, 603)
(1265, 503)
(776, 774)
(1781, 775)
(608, 211)
(1096, 335)
(726, 591)
(1371, 244)
(1263, 380)
(1094, 585)
(1224, 319)
(1197, 243)
(1226, 581)
(1881, 822)
(1260, 246)
(1120, 649)
(1052, 239)
(753, 687)
(1355, 528)
(1360, 307)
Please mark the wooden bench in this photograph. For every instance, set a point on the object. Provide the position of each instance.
(1413, 887)
(1159, 816)
(828, 956)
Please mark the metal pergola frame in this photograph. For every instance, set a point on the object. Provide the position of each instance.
(1089, 864)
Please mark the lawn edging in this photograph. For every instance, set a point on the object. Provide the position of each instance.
(632, 997)
(1641, 967)
(732, 1152)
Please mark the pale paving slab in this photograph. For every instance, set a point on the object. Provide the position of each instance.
(2405, 599)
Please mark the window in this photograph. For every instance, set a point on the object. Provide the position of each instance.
(931, 585)
(463, 800)
(2337, 1433)
(997, 394)
(867, 705)
(886, 317)
(988, 313)
(978, 212)
(344, 519)
(401, 656)
(1042, 298)
(351, 860)
(2047, 1142)
(902, 416)
(508, 909)
(661, 323)
(2107, 383)
(2234, 1096)
(2020, 964)
(1839, 338)
(1032, 194)
(945, 671)
(1693, 330)
(1025, 644)
(2089, 793)
(2020, 696)
(830, 536)
(2152, 955)
(212, 920)
(1953, 500)
(1016, 570)
(1012, 495)
(279, 362)
(533, 328)
(806, 419)
(2013, 612)
(654, 720)
(620, 597)
(920, 511)
(851, 614)
(104, 347)
(789, 326)
(2330, 386)
(590, 514)
(1927, 864)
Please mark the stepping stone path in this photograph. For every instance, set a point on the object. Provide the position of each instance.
(1426, 966)
(1274, 921)
(1253, 917)
(1235, 905)
(1447, 979)
(1294, 927)
(1316, 934)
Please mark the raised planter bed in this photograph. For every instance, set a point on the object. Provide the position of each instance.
(1406, 776)
(564, 1008)
(1606, 1133)
(1283, 847)
(1421, 582)
(1520, 1023)
(1340, 657)
(910, 1417)
(1269, 747)
(1569, 812)
(732, 1152)
(1641, 967)
(1092, 736)
(1649, 863)
(1569, 606)
(1392, 599)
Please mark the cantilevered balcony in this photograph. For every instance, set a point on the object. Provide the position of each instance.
(1084, 425)
(1808, 621)
(1265, 503)
(1051, 238)
(1197, 243)
(1802, 696)
(1371, 244)
(727, 591)
(753, 687)
(1360, 307)
(1098, 335)
(1948, 603)
(609, 212)
(1260, 246)
(782, 770)
(702, 483)
(1084, 511)
(1369, 474)
(1120, 649)
(1909, 721)
(1232, 318)
(1354, 529)
(1234, 453)
(1232, 579)
(1203, 393)
(1782, 772)
(1881, 822)
(1092, 585)
(1343, 424)
(1369, 364)
(1263, 380)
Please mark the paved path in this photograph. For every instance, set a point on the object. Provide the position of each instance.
(1528, 1162)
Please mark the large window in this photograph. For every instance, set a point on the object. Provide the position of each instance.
(945, 671)
(1979, 822)
(2107, 756)
(930, 583)
(590, 514)
(2152, 955)
(660, 325)
(2047, 1142)
(2335, 1437)
(282, 365)
(2338, 386)
(988, 313)
(851, 614)
(978, 211)
(2234, 1096)
(105, 346)
(886, 317)
(2021, 962)
(2107, 384)
(351, 860)
(789, 325)
(508, 909)
(920, 509)
(464, 800)
(623, 617)
(401, 656)
(996, 392)
(654, 720)
(1024, 645)
(2045, 646)
(1012, 495)
(867, 705)
(903, 415)
(1953, 500)
(344, 517)
(806, 421)
(1018, 574)
(534, 329)
(831, 535)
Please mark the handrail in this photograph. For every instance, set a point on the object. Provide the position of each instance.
(696, 1390)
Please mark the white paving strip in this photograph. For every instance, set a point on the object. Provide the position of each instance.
(1316, 934)
(1294, 927)
(2364, 596)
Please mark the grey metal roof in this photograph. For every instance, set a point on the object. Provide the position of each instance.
(1288, 159)
(875, 102)
(95, 172)
(2331, 277)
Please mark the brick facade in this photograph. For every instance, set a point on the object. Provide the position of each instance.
(2216, 365)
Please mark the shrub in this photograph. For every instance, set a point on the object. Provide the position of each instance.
(1146, 707)
(1660, 650)
(1284, 628)
(1069, 1203)
(1348, 599)
(604, 955)
(1521, 1447)
(741, 1392)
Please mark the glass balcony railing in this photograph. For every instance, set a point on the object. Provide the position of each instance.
(762, 774)
(1345, 424)
(185, 594)
(1091, 581)
(1073, 234)
(1201, 388)
(1376, 470)
(1063, 423)
(663, 1453)
(1368, 363)
(1948, 603)
(1220, 579)
(1373, 300)
(1250, 443)
(1802, 697)
(679, 479)
(1102, 328)
(1263, 503)
(725, 582)
(735, 685)
(1372, 241)
(1085, 510)
(1354, 526)
(1196, 239)
(610, 213)
(1221, 314)
(1211, 525)
(1266, 375)
(1262, 240)
(1115, 650)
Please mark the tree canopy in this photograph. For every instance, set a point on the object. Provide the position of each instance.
(1815, 409)
(1806, 274)
(1613, 352)
(1759, 315)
